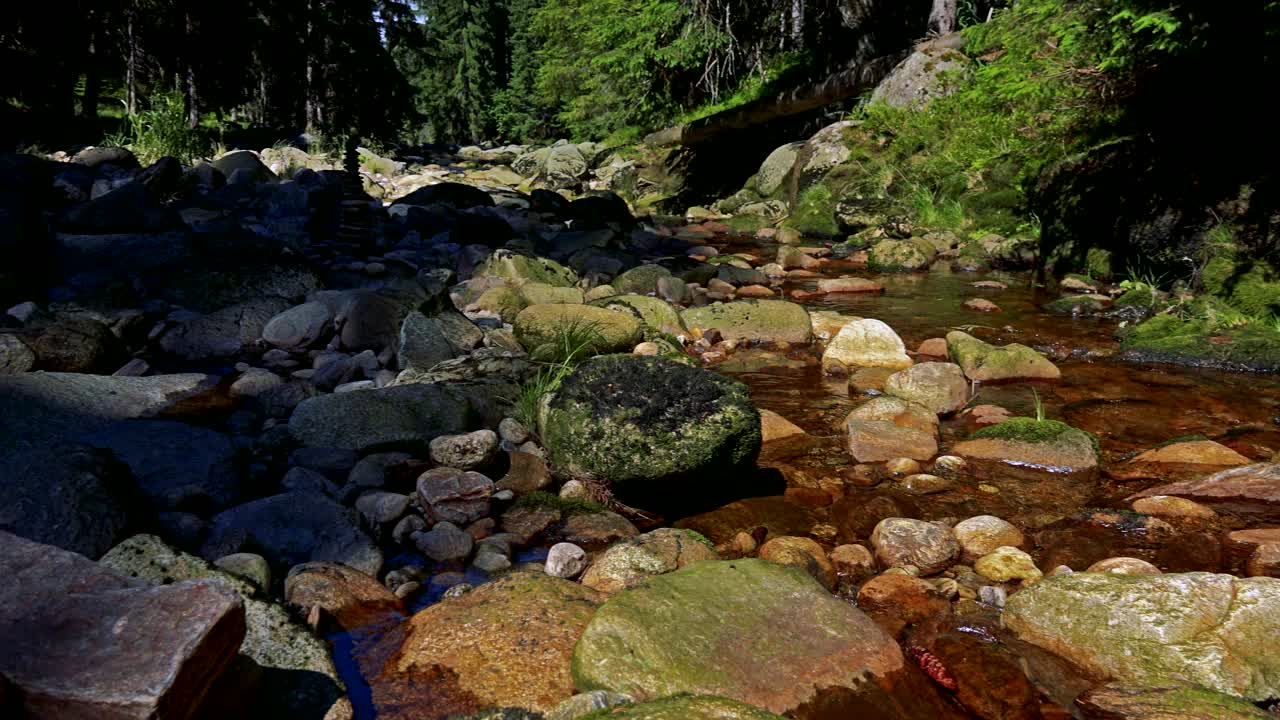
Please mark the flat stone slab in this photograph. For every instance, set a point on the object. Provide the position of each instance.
(81, 641)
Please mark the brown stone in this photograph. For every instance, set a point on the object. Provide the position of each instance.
(1250, 490)
(81, 641)
(1264, 562)
(849, 285)
(754, 291)
(896, 601)
(990, 682)
(1118, 701)
(803, 553)
(1196, 452)
(527, 523)
(528, 473)
(887, 428)
(1170, 506)
(775, 427)
(595, 530)
(350, 597)
(508, 643)
(933, 347)
(981, 305)
(853, 564)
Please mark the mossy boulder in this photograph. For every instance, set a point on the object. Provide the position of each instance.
(984, 362)
(912, 255)
(640, 280)
(520, 269)
(1203, 341)
(1138, 299)
(776, 169)
(760, 320)
(1180, 701)
(1079, 305)
(751, 630)
(1253, 287)
(633, 561)
(659, 433)
(506, 302)
(1216, 631)
(685, 707)
(657, 315)
(604, 330)
(814, 213)
(543, 294)
(1029, 442)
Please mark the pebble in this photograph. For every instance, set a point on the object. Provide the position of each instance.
(993, 595)
(249, 566)
(984, 534)
(465, 452)
(511, 431)
(575, 490)
(566, 560)
(902, 466)
(1124, 566)
(1171, 506)
(981, 305)
(1008, 563)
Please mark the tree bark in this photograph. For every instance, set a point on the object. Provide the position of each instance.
(942, 18)
(131, 60)
(190, 96)
(92, 74)
(313, 110)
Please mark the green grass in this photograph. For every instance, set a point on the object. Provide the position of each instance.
(566, 507)
(573, 343)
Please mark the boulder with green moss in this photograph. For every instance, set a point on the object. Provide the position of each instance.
(760, 320)
(658, 433)
(1029, 442)
(1207, 336)
(544, 294)
(814, 213)
(776, 168)
(506, 302)
(1216, 631)
(751, 630)
(685, 707)
(1079, 305)
(656, 314)
(640, 280)
(519, 269)
(1250, 286)
(910, 255)
(598, 329)
(984, 362)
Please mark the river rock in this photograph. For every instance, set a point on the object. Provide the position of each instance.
(886, 428)
(404, 416)
(607, 330)
(803, 553)
(508, 643)
(866, 343)
(456, 496)
(1252, 490)
(81, 641)
(177, 466)
(298, 675)
(775, 427)
(982, 362)
(669, 636)
(467, 451)
(1193, 452)
(903, 541)
(1007, 563)
(891, 256)
(632, 561)
(519, 269)
(15, 356)
(76, 344)
(293, 528)
(299, 326)
(1170, 506)
(895, 601)
(941, 387)
(566, 560)
(759, 320)
(247, 566)
(1123, 566)
(849, 285)
(687, 707)
(658, 432)
(983, 534)
(352, 598)
(655, 313)
(1027, 442)
(1216, 631)
(445, 542)
(222, 333)
(1174, 701)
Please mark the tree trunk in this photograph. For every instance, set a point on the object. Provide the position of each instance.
(92, 74)
(942, 18)
(190, 97)
(313, 110)
(797, 24)
(132, 60)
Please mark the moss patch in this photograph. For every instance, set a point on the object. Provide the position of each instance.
(1252, 287)
(1037, 432)
(565, 506)
(1204, 342)
(814, 213)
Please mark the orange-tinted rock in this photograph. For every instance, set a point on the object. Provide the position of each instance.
(1196, 452)
(508, 643)
(849, 285)
(802, 553)
(1265, 561)
(1250, 490)
(981, 305)
(896, 601)
(933, 347)
(775, 427)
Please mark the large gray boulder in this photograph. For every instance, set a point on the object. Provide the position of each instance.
(81, 641)
(924, 75)
(404, 417)
(293, 528)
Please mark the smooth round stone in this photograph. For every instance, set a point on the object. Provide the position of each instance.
(1008, 563)
(949, 465)
(575, 490)
(924, 484)
(1264, 561)
(249, 566)
(467, 451)
(1172, 506)
(902, 466)
(1124, 566)
(904, 541)
(853, 563)
(298, 326)
(510, 430)
(566, 560)
(983, 534)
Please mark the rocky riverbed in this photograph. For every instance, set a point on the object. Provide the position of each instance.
(478, 446)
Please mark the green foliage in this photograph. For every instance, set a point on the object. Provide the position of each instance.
(162, 130)
(610, 64)
(573, 343)
(566, 507)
